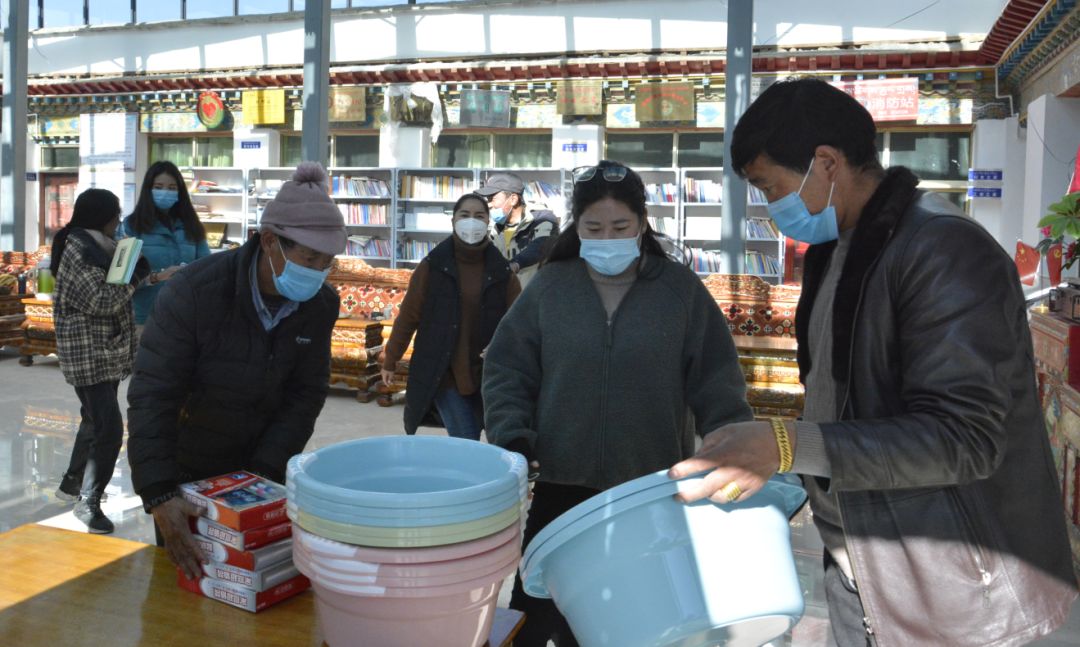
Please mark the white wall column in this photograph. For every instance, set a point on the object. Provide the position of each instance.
(998, 144)
(1053, 134)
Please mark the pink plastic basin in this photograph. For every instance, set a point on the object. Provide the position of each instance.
(443, 572)
(458, 615)
(382, 579)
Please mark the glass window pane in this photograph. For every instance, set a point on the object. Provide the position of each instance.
(177, 151)
(959, 198)
(63, 13)
(157, 10)
(357, 150)
(340, 4)
(523, 151)
(34, 15)
(291, 154)
(701, 149)
(932, 156)
(213, 151)
(60, 157)
(110, 12)
(646, 150)
(248, 7)
(463, 151)
(208, 9)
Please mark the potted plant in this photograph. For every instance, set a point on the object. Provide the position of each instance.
(1063, 220)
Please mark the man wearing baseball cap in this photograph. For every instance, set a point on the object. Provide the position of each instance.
(234, 364)
(523, 237)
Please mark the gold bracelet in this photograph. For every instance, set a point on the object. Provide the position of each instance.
(783, 444)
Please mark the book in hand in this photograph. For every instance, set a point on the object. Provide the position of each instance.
(243, 540)
(242, 596)
(238, 500)
(123, 261)
(251, 560)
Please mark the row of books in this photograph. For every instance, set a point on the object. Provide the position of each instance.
(247, 538)
(761, 228)
(663, 225)
(415, 249)
(761, 263)
(439, 187)
(368, 246)
(362, 213)
(197, 186)
(359, 187)
(668, 192)
(704, 260)
(757, 196)
(696, 190)
(536, 191)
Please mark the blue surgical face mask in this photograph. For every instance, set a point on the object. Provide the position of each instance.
(164, 199)
(610, 256)
(297, 283)
(499, 217)
(795, 221)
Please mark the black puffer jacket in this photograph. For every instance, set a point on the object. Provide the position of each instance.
(213, 391)
(940, 460)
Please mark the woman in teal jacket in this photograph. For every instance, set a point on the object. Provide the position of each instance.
(172, 234)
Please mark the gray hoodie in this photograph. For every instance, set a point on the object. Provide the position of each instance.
(602, 404)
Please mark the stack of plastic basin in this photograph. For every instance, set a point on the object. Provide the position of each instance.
(634, 567)
(406, 539)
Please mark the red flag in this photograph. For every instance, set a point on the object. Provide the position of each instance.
(1075, 184)
(1053, 263)
(1027, 262)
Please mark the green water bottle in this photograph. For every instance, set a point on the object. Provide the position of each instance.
(45, 280)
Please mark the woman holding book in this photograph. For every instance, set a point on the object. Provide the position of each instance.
(95, 344)
(593, 372)
(172, 234)
(456, 298)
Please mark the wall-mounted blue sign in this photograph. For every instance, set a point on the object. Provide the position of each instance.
(983, 192)
(575, 148)
(251, 145)
(982, 174)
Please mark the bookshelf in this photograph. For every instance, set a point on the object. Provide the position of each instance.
(366, 198)
(265, 183)
(220, 196)
(425, 198)
(662, 199)
(701, 190)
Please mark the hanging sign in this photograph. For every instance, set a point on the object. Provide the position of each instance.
(665, 102)
(348, 104)
(211, 109)
(263, 106)
(580, 97)
(886, 99)
(485, 108)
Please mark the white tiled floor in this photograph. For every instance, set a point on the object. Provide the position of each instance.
(39, 415)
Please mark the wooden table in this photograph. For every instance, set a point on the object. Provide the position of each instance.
(69, 588)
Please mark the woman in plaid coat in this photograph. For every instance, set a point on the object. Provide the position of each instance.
(95, 344)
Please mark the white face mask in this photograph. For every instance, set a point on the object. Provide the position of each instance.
(471, 230)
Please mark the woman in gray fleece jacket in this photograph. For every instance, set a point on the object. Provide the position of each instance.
(593, 372)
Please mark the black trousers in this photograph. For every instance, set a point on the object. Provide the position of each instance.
(543, 622)
(845, 608)
(98, 441)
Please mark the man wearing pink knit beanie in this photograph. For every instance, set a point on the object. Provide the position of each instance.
(233, 366)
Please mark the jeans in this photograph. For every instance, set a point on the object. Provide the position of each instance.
(98, 441)
(462, 414)
(543, 622)
(846, 613)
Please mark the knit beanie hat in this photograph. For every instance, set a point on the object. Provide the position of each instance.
(303, 212)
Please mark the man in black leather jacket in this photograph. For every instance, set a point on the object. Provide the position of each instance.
(922, 445)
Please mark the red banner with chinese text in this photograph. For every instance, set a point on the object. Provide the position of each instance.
(886, 99)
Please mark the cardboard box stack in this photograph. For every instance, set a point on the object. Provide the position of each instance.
(248, 539)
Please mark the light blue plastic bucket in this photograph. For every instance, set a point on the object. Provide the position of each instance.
(405, 517)
(407, 472)
(633, 567)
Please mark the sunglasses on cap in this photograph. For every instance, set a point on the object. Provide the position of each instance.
(609, 173)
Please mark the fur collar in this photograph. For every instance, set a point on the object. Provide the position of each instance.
(878, 221)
